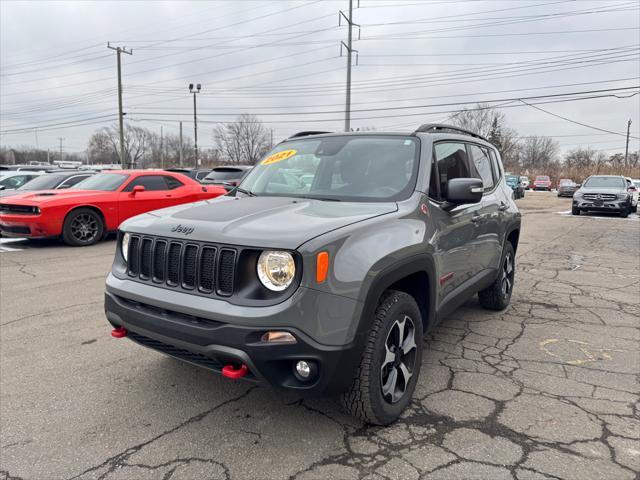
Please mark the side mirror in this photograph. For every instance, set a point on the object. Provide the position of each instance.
(137, 189)
(464, 190)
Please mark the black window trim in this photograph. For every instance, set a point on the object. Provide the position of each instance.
(495, 183)
(146, 175)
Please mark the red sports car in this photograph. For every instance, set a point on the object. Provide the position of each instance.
(85, 213)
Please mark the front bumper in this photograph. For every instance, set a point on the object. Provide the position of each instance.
(28, 226)
(604, 206)
(213, 344)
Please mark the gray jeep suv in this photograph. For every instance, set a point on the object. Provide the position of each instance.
(323, 270)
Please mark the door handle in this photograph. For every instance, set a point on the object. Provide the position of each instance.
(476, 219)
(503, 206)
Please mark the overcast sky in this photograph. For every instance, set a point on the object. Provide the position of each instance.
(280, 60)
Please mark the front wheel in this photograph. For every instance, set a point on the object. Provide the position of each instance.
(498, 295)
(82, 227)
(388, 372)
(575, 211)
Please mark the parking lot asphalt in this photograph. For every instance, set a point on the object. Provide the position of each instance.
(548, 388)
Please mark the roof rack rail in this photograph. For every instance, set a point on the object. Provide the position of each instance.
(306, 134)
(444, 128)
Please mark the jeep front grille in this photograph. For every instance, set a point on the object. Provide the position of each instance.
(183, 265)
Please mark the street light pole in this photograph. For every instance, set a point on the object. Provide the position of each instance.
(195, 90)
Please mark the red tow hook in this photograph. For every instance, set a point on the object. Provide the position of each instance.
(119, 332)
(230, 371)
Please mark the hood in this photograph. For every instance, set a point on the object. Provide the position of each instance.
(38, 197)
(276, 222)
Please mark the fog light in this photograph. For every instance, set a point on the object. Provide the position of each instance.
(278, 337)
(303, 369)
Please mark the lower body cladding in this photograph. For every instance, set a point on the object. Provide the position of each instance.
(237, 351)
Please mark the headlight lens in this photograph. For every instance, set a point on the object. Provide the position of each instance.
(276, 269)
(623, 196)
(125, 246)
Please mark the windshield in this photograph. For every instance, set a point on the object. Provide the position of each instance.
(352, 168)
(225, 174)
(44, 182)
(604, 182)
(543, 178)
(107, 182)
(566, 182)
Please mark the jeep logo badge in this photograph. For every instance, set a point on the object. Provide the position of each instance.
(185, 230)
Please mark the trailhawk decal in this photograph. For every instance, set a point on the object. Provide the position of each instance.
(278, 157)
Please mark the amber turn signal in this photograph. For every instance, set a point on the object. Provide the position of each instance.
(322, 266)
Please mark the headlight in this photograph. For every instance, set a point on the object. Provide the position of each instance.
(125, 245)
(623, 196)
(276, 269)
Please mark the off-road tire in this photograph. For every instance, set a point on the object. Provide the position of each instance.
(364, 399)
(494, 296)
(575, 211)
(70, 234)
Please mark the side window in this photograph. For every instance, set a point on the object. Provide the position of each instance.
(201, 175)
(70, 182)
(172, 182)
(482, 162)
(497, 171)
(149, 182)
(451, 161)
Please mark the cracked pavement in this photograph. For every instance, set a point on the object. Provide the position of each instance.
(548, 389)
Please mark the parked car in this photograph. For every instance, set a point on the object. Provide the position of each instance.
(603, 193)
(514, 182)
(566, 187)
(542, 182)
(12, 179)
(85, 213)
(525, 182)
(57, 180)
(228, 176)
(324, 287)
(633, 190)
(193, 173)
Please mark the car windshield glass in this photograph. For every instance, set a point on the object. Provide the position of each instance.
(604, 182)
(225, 174)
(107, 182)
(543, 178)
(44, 182)
(566, 182)
(348, 167)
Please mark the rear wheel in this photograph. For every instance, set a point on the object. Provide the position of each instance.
(498, 295)
(634, 208)
(82, 227)
(575, 211)
(386, 377)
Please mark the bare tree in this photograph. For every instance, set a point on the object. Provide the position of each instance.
(137, 143)
(244, 141)
(539, 152)
(481, 119)
(583, 157)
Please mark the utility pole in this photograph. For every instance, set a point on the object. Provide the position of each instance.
(181, 154)
(349, 47)
(271, 141)
(195, 90)
(626, 148)
(35, 130)
(48, 161)
(119, 50)
(61, 139)
(161, 148)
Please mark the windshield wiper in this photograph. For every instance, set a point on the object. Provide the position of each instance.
(246, 192)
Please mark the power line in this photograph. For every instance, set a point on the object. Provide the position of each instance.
(576, 122)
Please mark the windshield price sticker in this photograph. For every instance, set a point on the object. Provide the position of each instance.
(278, 157)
